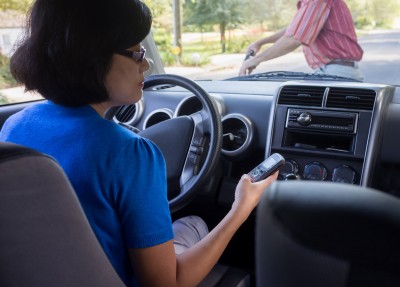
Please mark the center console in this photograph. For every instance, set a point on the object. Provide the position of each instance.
(323, 131)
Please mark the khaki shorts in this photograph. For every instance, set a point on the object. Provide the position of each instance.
(187, 232)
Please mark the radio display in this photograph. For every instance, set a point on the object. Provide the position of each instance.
(333, 121)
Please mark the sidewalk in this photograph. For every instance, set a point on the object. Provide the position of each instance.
(219, 66)
(225, 66)
(18, 94)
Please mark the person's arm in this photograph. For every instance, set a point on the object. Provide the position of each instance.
(159, 266)
(281, 47)
(256, 46)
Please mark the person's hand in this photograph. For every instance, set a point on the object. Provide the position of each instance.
(253, 47)
(248, 194)
(247, 67)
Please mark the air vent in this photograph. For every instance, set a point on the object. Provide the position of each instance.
(301, 96)
(125, 113)
(358, 99)
(157, 116)
(162, 87)
(237, 135)
(129, 114)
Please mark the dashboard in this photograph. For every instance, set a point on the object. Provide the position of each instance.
(327, 131)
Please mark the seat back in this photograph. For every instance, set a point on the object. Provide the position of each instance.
(45, 238)
(327, 234)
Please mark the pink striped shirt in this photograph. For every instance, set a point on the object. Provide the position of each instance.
(326, 30)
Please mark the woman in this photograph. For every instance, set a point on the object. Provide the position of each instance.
(85, 57)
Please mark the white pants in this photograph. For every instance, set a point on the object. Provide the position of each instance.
(187, 232)
(341, 71)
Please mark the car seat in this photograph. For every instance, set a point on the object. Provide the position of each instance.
(45, 238)
(327, 234)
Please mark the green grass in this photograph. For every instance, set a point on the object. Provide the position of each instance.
(3, 100)
(205, 49)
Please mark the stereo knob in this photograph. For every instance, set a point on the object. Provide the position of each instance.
(315, 171)
(292, 176)
(304, 119)
(345, 174)
(290, 167)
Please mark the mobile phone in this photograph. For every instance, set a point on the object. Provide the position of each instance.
(249, 54)
(267, 167)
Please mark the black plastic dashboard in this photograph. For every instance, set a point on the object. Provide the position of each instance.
(355, 140)
(327, 131)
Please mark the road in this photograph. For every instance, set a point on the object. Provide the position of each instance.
(380, 63)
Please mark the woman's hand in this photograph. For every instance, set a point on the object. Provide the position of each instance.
(248, 194)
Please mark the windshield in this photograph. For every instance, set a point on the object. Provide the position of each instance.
(358, 40)
(209, 39)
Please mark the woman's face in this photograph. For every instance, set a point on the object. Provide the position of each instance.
(124, 81)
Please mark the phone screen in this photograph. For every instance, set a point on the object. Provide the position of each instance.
(268, 163)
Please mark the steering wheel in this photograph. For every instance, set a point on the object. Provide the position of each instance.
(191, 145)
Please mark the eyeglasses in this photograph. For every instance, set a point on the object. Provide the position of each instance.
(137, 56)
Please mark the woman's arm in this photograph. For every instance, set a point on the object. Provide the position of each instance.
(159, 266)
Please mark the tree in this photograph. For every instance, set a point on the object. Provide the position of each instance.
(383, 13)
(212, 12)
(19, 5)
(176, 8)
(161, 11)
(274, 13)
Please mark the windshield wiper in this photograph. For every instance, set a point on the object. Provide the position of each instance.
(284, 75)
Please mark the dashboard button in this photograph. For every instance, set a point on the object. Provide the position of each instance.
(198, 141)
(196, 149)
(193, 158)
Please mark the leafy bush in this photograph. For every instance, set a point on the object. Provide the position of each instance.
(6, 79)
(3, 99)
(195, 59)
(167, 58)
(237, 46)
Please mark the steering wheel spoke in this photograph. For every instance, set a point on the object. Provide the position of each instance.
(198, 149)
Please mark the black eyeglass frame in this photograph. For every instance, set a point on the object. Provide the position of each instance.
(135, 55)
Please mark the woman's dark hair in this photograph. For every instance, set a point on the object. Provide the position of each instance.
(69, 44)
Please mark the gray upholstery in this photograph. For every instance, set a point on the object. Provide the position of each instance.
(327, 234)
(45, 239)
(225, 276)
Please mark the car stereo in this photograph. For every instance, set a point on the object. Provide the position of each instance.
(322, 120)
